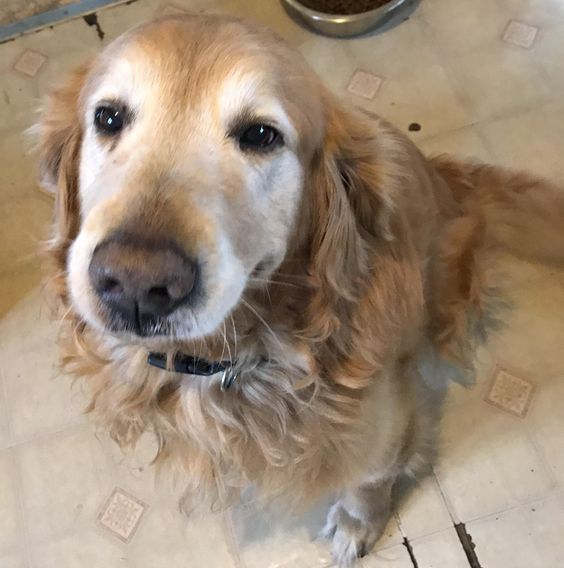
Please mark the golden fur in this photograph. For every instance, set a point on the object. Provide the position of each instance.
(387, 256)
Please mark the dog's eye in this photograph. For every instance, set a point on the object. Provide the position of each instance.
(259, 137)
(109, 119)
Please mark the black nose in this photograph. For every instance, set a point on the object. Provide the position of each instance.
(140, 280)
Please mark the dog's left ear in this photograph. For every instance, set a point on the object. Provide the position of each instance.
(58, 137)
(351, 210)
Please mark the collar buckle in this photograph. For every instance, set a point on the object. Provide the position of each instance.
(228, 378)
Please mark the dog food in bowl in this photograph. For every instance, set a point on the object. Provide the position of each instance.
(345, 7)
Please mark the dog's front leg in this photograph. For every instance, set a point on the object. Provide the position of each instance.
(358, 519)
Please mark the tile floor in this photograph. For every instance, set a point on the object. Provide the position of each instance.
(482, 78)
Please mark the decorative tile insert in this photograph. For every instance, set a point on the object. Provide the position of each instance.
(121, 514)
(510, 392)
(30, 62)
(520, 34)
(364, 84)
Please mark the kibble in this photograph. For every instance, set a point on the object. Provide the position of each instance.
(345, 7)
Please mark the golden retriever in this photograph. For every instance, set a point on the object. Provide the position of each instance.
(288, 261)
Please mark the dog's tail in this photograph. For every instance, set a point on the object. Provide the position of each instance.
(502, 210)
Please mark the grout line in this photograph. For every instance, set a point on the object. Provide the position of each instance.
(449, 506)
(409, 548)
(537, 499)
(24, 536)
(42, 435)
(446, 132)
(406, 542)
(468, 545)
(463, 536)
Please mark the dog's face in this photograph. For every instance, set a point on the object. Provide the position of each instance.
(194, 138)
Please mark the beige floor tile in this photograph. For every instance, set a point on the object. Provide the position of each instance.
(226, 7)
(498, 81)
(10, 51)
(526, 537)
(459, 27)
(13, 560)
(25, 215)
(394, 557)
(395, 52)
(135, 472)
(545, 13)
(273, 15)
(65, 46)
(5, 436)
(10, 524)
(19, 168)
(167, 538)
(440, 550)
(549, 55)
(488, 462)
(15, 287)
(464, 143)
(29, 322)
(19, 98)
(546, 424)
(424, 96)
(424, 511)
(24, 224)
(466, 395)
(331, 59)
(39, 398)
(117, 20)
(66, 478)
(531, 140)
(73, 35)
(85, 549)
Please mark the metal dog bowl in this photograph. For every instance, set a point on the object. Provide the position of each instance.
(342, 25)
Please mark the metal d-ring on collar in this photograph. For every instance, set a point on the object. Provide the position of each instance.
(188, 365)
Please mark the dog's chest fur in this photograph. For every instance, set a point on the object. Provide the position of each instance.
(280, 427)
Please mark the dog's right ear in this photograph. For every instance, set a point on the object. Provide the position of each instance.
(58, 139)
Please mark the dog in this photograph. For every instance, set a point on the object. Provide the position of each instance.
(257, 273)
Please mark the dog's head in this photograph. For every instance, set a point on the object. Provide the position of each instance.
(189, 159)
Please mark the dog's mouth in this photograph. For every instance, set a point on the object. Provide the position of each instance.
(142, 326)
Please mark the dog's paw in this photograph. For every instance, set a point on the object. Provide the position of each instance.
(351, 537)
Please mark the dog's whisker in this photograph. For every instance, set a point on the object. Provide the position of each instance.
(234, 335)
(263, 321)
(274, 282)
